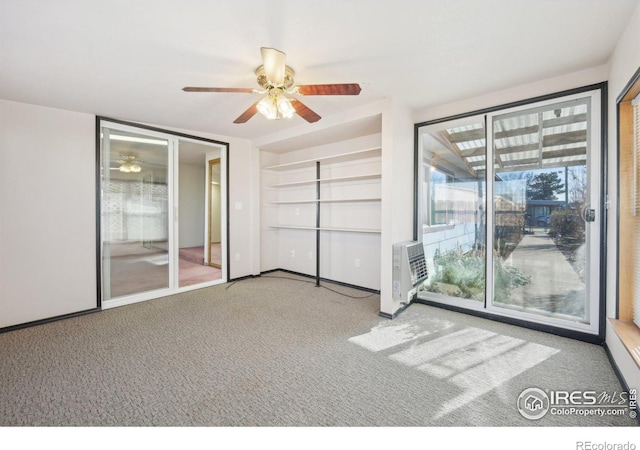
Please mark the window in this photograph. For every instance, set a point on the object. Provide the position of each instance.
(636, 160)
(627, 319)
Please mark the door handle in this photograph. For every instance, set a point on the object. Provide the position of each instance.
(588, 214)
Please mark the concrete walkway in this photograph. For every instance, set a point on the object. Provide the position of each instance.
(555, 286)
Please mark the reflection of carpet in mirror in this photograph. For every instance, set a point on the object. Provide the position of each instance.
(192, 268)
(137, 269)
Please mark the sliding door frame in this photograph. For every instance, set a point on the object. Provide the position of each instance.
(593, 237)
(210, 164)
(599, 335)
(225, 154)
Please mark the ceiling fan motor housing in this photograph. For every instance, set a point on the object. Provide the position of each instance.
(264, 83)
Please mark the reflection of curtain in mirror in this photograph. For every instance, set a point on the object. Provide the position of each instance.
(137, 211)
(113, 211)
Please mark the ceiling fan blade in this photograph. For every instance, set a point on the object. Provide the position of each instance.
(248, 114)
(214, 89)
(304, 111)
(329, 89)
(273, 62)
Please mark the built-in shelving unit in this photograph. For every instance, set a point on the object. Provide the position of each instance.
(328, 180)
(341, 157)
(321, 210)
(328, 200)
(347, 230)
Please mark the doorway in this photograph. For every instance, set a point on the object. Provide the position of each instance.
(153, 213)
(537, 207)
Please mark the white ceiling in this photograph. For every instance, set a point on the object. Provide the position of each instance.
(130, 59)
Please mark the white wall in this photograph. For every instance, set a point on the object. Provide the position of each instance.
(191, 182)
(549, 86)
(48, 215)
(623, 64)
(397, 194)
(244, 197)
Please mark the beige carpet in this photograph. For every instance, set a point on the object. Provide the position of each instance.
(276, 352)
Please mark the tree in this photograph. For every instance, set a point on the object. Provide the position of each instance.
(544, 186)
(577, 186)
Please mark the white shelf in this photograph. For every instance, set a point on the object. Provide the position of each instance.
(349, 186)
(368, 176)
(327, 200)
(351, 156)
(350, 230)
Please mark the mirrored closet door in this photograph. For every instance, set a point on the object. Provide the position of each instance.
(155, 210)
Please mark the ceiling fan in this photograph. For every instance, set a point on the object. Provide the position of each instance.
(127, 164)
(275, 79)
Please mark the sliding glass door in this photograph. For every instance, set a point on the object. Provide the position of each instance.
(537, 206)
(453, 213)
(154, 229)
(545, 205)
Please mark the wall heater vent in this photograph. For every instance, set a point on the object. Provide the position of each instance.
(409, 270)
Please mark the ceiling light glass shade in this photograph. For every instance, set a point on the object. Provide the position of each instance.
(285, 107)
(129, 165)
(275, 106)
(267, 107)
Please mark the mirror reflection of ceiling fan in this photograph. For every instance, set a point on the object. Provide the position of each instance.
(128, 164)
(275, 79)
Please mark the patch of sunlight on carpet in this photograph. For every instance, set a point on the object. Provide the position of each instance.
(389, 334)
(474, 361)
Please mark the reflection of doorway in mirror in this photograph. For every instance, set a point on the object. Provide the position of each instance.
(215, 215)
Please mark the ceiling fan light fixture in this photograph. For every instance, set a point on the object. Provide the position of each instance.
(275, 105)
(128, 164)
(285, 107)
(130, 168)
(268, 108)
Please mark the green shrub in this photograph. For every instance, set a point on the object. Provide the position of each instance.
(566, 224)
(466, 271)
